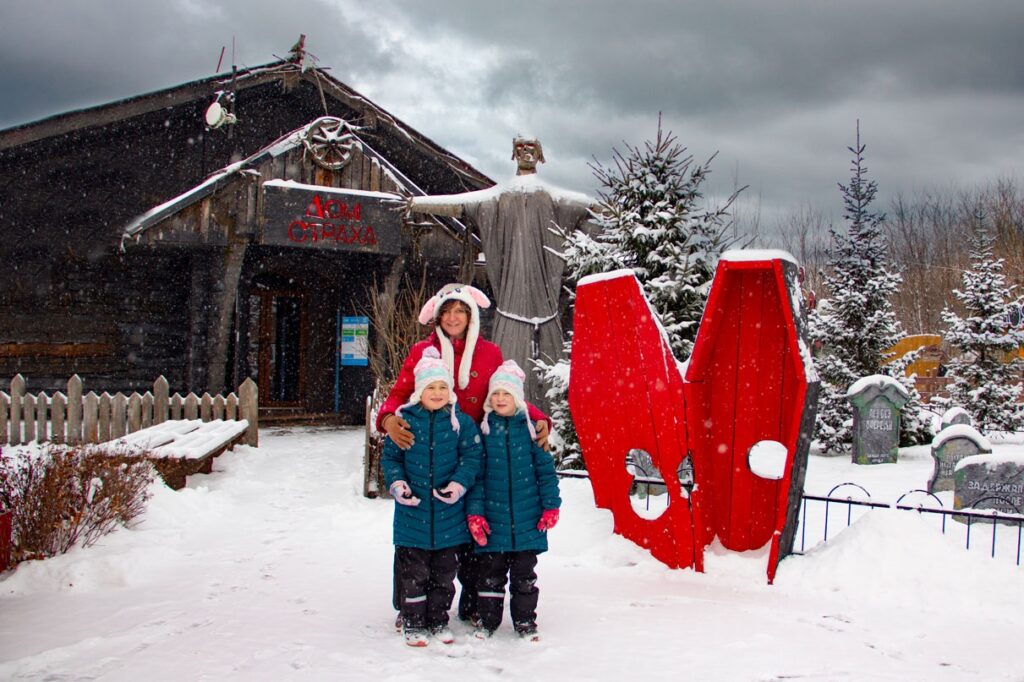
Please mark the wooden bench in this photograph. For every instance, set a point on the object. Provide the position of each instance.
(180, 448)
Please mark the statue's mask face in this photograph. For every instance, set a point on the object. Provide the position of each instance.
(527, 154)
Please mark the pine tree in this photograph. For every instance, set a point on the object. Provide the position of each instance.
(652, 218)
(856, 325)
(984, 381)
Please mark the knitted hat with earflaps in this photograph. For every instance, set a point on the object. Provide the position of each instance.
(509, 377)
(474, 299)
(429, 369)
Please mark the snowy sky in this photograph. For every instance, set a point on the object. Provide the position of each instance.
(775, 88)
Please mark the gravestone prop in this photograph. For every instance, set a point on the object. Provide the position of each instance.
(990, 482)
(877, 401)
(954, 416)
(951, 445)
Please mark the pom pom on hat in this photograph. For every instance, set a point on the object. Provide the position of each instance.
(509, 377)
(431, 368)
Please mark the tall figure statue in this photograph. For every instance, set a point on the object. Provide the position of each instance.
(514, 219)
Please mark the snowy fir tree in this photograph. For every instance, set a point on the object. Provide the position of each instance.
(856, 325)
(985, 381)
(653, 219)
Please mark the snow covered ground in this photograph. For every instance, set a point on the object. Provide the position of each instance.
(275, 567)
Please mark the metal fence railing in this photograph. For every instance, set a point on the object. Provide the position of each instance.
(966, 519)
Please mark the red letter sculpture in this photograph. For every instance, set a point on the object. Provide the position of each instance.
(744, 413)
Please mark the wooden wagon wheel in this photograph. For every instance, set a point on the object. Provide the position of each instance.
(330, 143)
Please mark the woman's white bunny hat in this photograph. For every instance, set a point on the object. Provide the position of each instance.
(474, 299)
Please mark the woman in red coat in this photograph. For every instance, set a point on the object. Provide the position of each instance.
(455, 313)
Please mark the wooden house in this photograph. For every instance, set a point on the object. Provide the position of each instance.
(226, 228)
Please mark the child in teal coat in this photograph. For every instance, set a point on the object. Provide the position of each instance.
(428, 482)
(512, 506)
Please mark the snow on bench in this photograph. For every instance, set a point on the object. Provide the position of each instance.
(180, 448)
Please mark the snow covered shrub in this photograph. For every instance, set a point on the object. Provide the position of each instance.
(63, 495)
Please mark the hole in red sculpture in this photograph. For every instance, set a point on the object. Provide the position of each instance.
(648, 494)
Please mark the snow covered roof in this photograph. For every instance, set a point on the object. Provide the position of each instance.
(249, 166)
(217, 180)
(201, 90)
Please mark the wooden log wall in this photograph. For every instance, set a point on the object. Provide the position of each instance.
(96, 418)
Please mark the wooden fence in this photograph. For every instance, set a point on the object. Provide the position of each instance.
(91, 418)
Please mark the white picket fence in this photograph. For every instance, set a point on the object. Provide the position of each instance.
(91, 418)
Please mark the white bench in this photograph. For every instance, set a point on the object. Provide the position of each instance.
(180, 448)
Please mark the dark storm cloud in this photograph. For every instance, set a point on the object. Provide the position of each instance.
(705, 57)
(58, 56)
(775, 87)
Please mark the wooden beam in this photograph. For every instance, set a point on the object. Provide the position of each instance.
(55, 350)
(223, 306)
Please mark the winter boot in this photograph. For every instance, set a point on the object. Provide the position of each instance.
(527, 630)
(415, 636)
(443, 634)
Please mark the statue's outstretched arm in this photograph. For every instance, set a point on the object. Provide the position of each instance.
(434, 206)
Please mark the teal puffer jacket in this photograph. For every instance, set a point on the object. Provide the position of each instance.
(439, 456)
(517, 483)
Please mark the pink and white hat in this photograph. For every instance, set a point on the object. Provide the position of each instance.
(429, 369)
(475, 299)
(508, 377)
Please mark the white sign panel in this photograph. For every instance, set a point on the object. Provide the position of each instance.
(355, 340)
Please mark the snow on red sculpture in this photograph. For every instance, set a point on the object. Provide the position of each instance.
(744, 413)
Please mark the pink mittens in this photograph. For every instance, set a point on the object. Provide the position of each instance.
(479, 529)
(548, 519)
(451, 493)
(403, 494)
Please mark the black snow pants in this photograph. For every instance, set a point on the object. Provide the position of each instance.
(516, 568)
(428, 585)
(467, 578)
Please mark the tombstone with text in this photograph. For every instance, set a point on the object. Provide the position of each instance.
(990, 482)
(877, 401)
(951, 445)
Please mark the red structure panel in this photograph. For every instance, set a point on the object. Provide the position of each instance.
(746, 382)
(626, 393)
